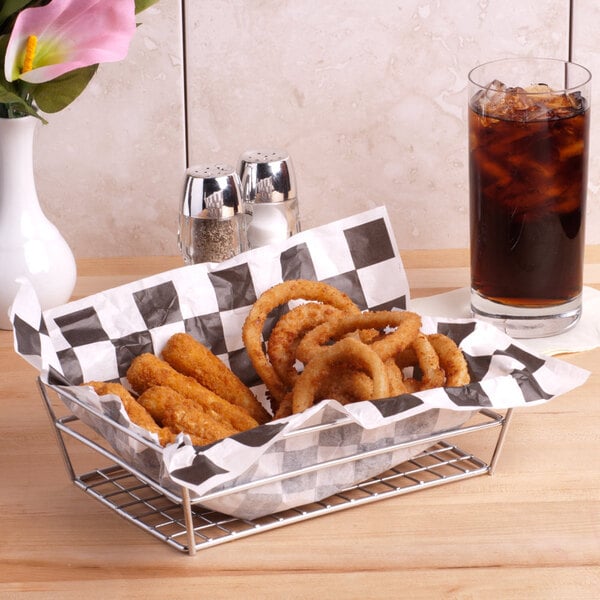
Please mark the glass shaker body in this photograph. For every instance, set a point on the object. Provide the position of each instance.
(269, 192)
(271, 222)
(212, 224)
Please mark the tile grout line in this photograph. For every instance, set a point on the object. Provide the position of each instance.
(570, 31)
(186, 137)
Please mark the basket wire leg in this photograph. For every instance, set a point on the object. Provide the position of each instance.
(59, 437)
(500, 440)
(189, 522)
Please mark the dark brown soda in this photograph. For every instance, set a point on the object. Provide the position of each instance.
(528, 183)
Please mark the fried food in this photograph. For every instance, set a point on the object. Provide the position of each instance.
(439, 359)
(324, 347)
(188, 356)
(181, 414)
(429, 363)
(136, 412)
(452, 360)
(348, 351)
(296, 289)
(395, 378)
(406, 326)
(293, 373)
(345, 384)
(147, 370)
(289, 331)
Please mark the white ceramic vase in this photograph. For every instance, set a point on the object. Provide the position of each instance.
(30, 245)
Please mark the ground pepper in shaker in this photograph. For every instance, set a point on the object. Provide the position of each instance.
(211, 220)
(269, 194)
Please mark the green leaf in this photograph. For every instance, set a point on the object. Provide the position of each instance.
(141, 5)
(8, 96)
(52, 96)
(15, 104)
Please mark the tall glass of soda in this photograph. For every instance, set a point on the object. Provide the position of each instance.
(528, 169)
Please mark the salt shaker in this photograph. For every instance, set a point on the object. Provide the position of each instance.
(269, 194)
(212, 223)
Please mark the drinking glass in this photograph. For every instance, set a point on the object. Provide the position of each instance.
(528, 168)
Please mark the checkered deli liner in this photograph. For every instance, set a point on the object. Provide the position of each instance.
(97, 337)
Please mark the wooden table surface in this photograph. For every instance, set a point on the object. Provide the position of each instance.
(531, 530)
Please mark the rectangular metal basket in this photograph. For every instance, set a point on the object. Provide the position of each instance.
(188, 526)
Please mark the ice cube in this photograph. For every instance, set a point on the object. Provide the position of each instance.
(536, 102)
(550, 104)
(488, 99)
(499, 101)
(539, 88)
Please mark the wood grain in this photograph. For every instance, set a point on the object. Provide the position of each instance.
(532, 530)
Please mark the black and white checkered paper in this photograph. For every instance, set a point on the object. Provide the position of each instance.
(97, 337)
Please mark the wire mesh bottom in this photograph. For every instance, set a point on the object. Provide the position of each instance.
(142, 505)
(188, 526)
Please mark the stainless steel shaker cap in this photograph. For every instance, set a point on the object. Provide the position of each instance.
(267, 176)
(211, 192)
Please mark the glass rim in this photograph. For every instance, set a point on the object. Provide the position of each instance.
(587, 74)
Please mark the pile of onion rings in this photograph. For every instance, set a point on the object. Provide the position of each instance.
(325, 347)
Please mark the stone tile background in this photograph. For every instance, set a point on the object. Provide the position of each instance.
(369, 99)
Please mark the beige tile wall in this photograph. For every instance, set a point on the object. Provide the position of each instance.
(109, 166)
(369, 98)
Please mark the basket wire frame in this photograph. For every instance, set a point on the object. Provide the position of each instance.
(187, 526)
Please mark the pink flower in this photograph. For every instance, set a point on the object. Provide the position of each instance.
(66, 35)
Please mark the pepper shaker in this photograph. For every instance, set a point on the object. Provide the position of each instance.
(212, 224)
(269, 194)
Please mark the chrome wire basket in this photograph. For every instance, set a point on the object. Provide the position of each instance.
(188, 526)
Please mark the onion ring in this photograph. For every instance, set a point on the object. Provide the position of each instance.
(452, 360)
(285, 407)
(395, 378)
(288, 332)
(406, 358)
(429, 363)
(344, 384)
(346, 351)
(407, 326)
(272, 298)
